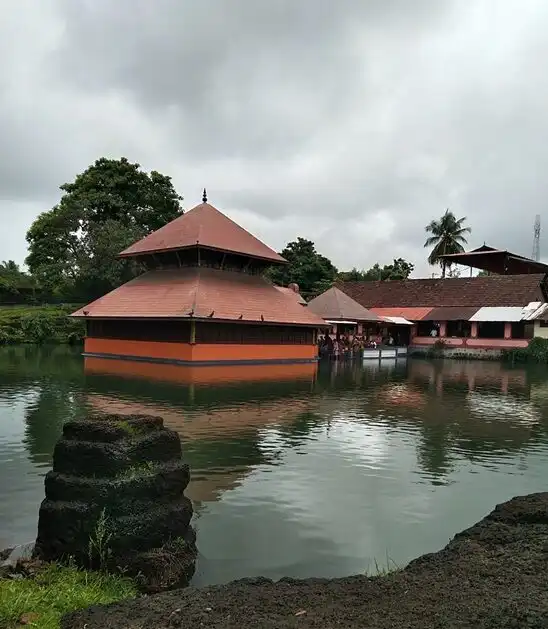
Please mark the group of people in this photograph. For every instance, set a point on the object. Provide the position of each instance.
(342, 346)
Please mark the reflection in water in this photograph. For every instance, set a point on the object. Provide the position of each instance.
(307, 470)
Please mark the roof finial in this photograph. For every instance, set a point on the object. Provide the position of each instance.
(204, 196)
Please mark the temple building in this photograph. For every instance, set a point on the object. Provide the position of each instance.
(344, 315)
(203, 300)
(504, 309)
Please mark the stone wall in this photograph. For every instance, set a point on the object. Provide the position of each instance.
(457, 352)
(115, 500)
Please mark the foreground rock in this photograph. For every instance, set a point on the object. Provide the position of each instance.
(493, 575)
(115, 500)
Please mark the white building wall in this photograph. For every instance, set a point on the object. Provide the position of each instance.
(540, 331)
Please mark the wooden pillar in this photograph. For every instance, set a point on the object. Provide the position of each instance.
(474, 330)
(443, 329)
(193, 332)
(507, 330)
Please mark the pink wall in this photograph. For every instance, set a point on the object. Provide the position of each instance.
(472, 343)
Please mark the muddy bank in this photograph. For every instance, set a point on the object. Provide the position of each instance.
(493, 575)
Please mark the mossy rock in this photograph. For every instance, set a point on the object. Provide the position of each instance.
(111, 459)
(112, 428)
(160, 482)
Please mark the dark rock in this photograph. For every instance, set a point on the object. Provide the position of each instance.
(164, 568)
(473, 583)
(165, 481)
(111, 428)
(110, 459)
(115, 499)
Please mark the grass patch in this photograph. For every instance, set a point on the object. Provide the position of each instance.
(133, 430)
(148, 468)
(179, 543)
(389, 566)
(56, 590)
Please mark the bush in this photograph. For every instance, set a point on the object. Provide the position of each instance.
(39, 325)
(535, 352)
(436, 349)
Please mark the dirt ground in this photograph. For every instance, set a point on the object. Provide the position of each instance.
(494, 575)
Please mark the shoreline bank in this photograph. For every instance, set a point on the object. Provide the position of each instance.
(492, 575)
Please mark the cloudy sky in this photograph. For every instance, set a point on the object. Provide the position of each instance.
(352, 123)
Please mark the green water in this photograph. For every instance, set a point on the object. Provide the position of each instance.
(319, 476)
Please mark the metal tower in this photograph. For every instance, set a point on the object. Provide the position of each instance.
(536, 239)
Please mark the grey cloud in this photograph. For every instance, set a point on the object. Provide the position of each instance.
(353, 123)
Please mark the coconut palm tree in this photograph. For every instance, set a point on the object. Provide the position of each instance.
(448, 235)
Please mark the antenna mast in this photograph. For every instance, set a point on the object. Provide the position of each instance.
(536, 239)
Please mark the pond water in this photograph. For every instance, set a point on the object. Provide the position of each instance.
(296, 472)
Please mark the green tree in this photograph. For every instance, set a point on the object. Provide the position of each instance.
(448, 235)
(13, 280)
(113, 203)
(400, 269)
(313, 272)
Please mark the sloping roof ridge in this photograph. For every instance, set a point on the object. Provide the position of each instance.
(337, 292)
(493, 277)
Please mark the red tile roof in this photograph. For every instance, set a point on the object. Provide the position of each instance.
(207, 293)
(206, 227)
(451, 313)
(334, 304)
(289, 291)
(411, 314)
(494, 290)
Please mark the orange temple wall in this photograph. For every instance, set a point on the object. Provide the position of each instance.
(199, 353)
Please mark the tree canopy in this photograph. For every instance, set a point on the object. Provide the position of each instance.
(113, 203)
(313, 272)
(13, 280)
(447, 235)
(400, 269)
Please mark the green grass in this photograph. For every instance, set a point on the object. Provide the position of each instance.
(147, 468)
(133, 430)
(383, 569)
(57, 590)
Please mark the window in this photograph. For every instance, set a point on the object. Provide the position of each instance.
(253, 334)
(138, 330)
(459, 329)
(518, 330)
(424, 328)
(543, 324)
(491, 330)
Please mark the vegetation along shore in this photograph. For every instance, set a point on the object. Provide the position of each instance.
(39, 324)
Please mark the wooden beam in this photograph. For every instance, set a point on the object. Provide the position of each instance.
(193, 332)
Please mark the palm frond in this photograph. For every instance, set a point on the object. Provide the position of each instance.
(433, 240)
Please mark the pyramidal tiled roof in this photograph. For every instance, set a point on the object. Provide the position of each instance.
(201, 293)
(334, 304)
(203, 226)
